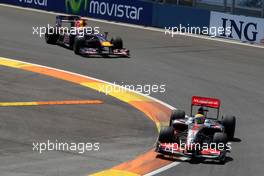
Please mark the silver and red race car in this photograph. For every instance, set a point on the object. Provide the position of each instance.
(198, 136)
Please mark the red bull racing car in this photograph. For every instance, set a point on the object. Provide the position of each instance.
(198, 136)
(73, 32)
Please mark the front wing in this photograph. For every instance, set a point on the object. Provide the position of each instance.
(116, 52)
(173, 149)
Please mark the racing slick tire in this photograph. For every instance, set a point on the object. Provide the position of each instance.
(176, 114)
(166, 135)
(72, 40)
(78, 43)
(51, 37)
(117, 43)
(229, 122)
(221, 138)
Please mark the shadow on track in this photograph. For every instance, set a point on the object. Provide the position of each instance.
(194, 160)
(204, 161)
(238, 140)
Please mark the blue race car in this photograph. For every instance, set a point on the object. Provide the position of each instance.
(82, 41)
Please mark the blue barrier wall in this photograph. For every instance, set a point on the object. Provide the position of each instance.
(41, 4)
(173, 16)
(129, 11)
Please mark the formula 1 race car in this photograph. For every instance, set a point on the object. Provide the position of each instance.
(76, 36)
(198, 136)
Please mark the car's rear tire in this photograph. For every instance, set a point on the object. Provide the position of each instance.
(117, 43)
(176, 114)
(229, 122)
(78, 43)
(166, 135)
(51, 37)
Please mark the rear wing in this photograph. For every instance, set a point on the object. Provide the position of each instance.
(206, 102)
(62, 18)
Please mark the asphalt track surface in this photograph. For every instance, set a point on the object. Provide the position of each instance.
(188, 66)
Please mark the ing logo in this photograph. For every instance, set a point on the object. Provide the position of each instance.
(74, 6)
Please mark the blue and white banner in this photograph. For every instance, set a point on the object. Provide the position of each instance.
(36, 4)
(129, 11)
(245, 29)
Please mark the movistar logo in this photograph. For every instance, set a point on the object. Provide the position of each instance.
(74, 6)
(109, 8)
(36, 2)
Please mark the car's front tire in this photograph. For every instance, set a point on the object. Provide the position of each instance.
(71, 42)
(117, 43)
(78, 44)
(220, 138)
(166, 135)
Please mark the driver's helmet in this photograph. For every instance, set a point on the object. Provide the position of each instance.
(201, 110)
(199, 119)
(80, 23)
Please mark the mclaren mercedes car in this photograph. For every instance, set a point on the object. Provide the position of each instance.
(198, 135)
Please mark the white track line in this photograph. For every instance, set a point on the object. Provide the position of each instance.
(99, 80)
(141, 27)
(163, 169)
(166, 167)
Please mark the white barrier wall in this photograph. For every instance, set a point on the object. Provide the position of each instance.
(245, 29)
